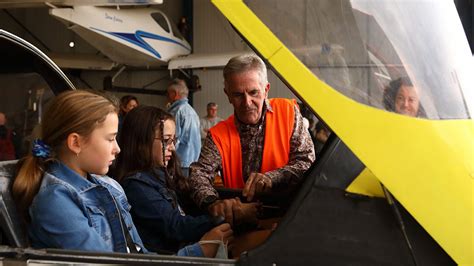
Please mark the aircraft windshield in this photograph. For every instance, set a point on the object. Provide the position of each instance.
(176, 32)
(160, 19)
(409, 57)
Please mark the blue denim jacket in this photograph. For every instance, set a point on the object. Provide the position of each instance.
(188, 132)
(160, 222)
(72, 212)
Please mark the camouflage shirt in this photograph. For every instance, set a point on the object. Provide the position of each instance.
(252, 139)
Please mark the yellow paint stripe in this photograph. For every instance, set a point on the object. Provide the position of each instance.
(250, 26)
(366, 184)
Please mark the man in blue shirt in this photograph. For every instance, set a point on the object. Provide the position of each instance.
(188, 136)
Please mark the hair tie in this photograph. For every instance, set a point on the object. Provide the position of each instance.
(40, 149)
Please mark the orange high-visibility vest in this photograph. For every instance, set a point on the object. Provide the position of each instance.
(276, 148)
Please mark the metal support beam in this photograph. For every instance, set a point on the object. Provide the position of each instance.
(118, 73)
(27, 30)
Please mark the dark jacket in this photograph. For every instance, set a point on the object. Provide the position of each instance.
(159, 219)
(9, 148)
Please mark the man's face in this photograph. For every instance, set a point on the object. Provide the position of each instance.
(406, 101)
(171, 95)
(212, 111)
(247, 94)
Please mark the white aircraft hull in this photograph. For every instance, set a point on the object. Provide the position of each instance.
(127, 36)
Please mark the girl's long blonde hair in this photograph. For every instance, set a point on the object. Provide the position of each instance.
(75, 111)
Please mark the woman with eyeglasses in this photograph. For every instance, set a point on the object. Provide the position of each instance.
(149, 172)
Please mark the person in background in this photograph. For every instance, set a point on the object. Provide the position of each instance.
(8, 141)
(127, 103)
(262, 146)
(183, 28)
(210, 120)
(402, 97)
(188, 135)
(311, 118)
(151, 177)
(61, 188)
(322, 135)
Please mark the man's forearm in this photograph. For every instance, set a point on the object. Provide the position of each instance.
(203, 195)
(290, 174)
(203, 172)
(302, 155)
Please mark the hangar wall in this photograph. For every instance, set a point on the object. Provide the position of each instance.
(214, 34)
(55, 36)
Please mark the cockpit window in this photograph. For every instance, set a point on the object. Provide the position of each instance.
(161, 20)
(176, 32)
(363, 48)
(20, 118)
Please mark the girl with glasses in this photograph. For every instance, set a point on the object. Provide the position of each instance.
(149, 171)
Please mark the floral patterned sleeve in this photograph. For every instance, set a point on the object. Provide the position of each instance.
(302, 155)
(203, 172)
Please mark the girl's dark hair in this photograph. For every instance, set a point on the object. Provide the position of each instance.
(136, 143)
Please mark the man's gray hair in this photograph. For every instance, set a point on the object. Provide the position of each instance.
(242, 63)
(179, 86)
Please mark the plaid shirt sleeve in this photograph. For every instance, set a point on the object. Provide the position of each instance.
(203, 172)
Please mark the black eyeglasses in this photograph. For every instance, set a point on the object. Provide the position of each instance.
(168, 141)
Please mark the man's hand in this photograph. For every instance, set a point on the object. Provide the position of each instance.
(223, 208)
(257, 182)
(246, 212)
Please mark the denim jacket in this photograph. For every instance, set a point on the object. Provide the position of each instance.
(188, 132)
(73, 212)
(160, 221)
